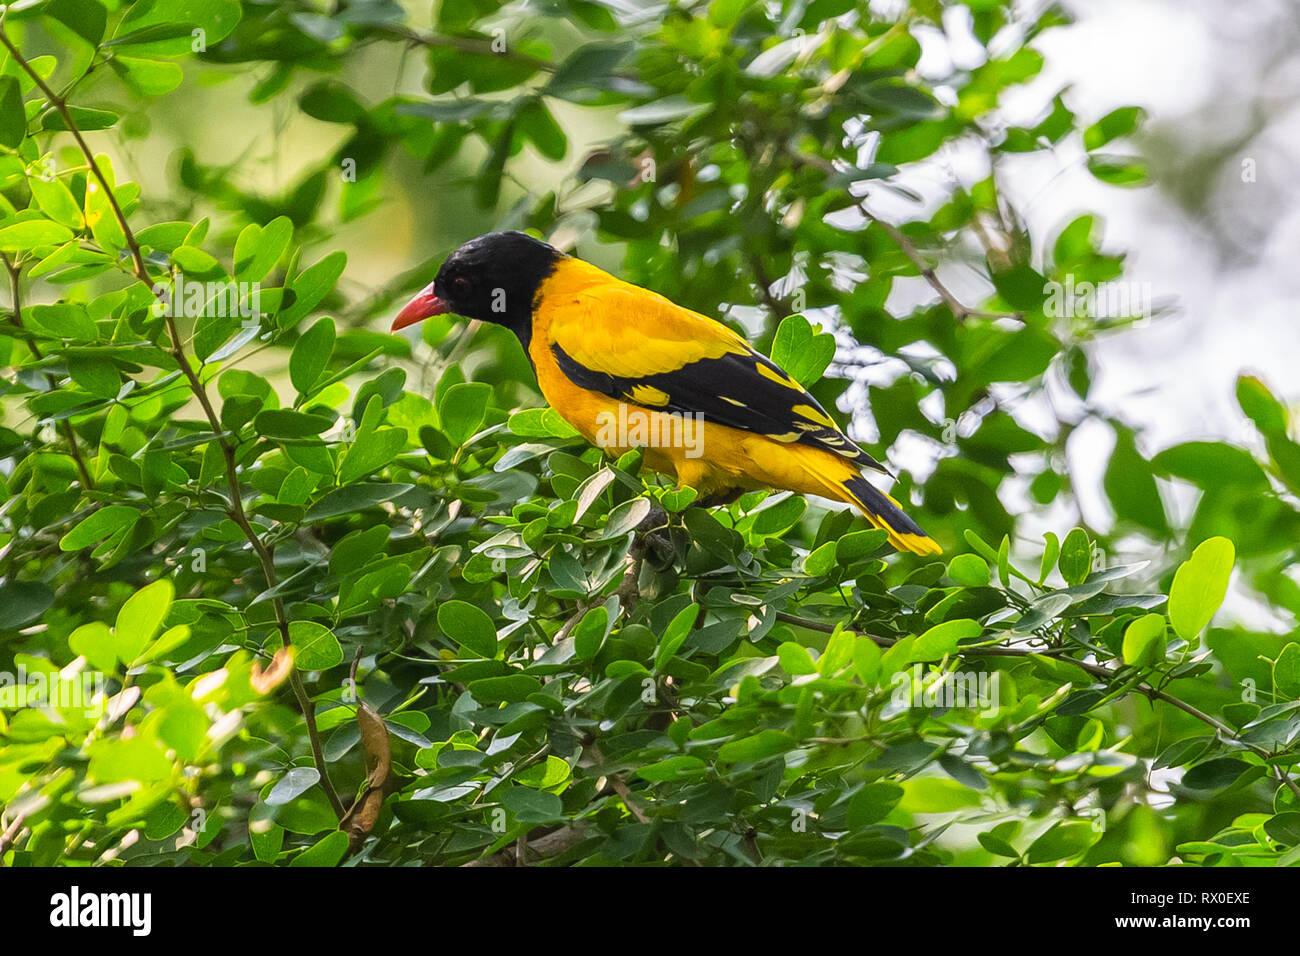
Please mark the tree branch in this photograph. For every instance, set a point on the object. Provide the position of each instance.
(65, 426)
(1106, 674)
(264, 555)
(960, 310)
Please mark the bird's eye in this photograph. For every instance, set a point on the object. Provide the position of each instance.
(460, 286)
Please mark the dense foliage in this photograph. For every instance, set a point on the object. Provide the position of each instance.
(335, 598)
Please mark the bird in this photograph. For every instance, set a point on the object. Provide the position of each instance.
(624, 365)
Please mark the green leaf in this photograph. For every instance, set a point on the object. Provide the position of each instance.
(259, 248)
(674, 769)
(57, 202)
(1199, 587)
(22, 602)
(95, 642)
(311, 286)
(1131, 487)
(167, 29)
(1051, 548)
(311, 354)
(858, 545)
(541, 423)
(283, 423)
(1259, 405)
(1116, 123)
(1284, 828)
(804, 352)
(373, 446)
(64, 320)
(1215, 774)
(33, 233)
(13, 120)
(970, 570)
(872, 804)
(327, 852)
(941, 640)
(537, 124)
(1286, 671)
(1076, 557)
(104, 523)
(532, 806)
(821, 561)
(148, 77)
(1144, 641)
(86, 18)
(355, 498)
(469, 627)
(780, 516)
(461, 409)
(140, 619)
(1211, 464)
(1067, 839)
(315, 646)
(764, 744)
(589, 633)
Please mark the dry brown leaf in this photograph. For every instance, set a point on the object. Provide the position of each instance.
(265, 681)
(378, 752)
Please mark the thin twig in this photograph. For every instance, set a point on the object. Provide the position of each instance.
(959, 309)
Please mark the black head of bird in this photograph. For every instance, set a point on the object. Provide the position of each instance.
(493, 278)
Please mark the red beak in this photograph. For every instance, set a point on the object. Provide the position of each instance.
(424, 305)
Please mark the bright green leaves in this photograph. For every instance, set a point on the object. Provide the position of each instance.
(32, 234)
(57, 201)
(315, 646)
(469, 627)
(259, 248)
(1286, 671)
(13, 121)
(373, 447)
(1258, 404)
(186, 26)
(111, 522)
(310, 286)
(541, 423)
(1116, 123)
(1144, 641)
(461, 409)
(1076, 557)
(969, 569)
(1199, 587)
(311, 355)
(1131, 486)
(147, 77)
(1069, 838)
(132, 637)
(802, 350)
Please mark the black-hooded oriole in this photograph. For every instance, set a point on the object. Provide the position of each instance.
(623, 365)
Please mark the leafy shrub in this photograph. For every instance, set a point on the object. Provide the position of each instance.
(324, 611)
